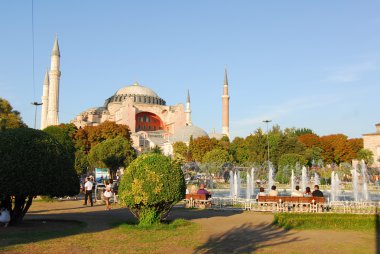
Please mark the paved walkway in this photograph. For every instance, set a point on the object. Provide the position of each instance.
(221, 231)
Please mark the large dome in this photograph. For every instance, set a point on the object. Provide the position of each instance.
(138, 94)
(136, 89)
(183, 134)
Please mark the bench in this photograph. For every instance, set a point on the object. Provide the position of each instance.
(287, 203)
(197, 201)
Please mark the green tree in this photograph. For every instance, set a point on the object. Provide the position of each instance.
(216, 158)
(156, 149)
(63, 136)
(81, 162)
(89, 136)
(199, 147)
(9, 118)
(112, 153)
(366, 155)
(302, 131)
(256, 145)
(313, 155)
(239, 150)
(33, 163)
(150, 186)
(181, 149)
(286, 163)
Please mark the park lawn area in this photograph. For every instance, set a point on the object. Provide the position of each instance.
(175, 237)
(329, 221)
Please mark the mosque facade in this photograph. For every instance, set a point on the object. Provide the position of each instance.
(151, 121)
(372, 142)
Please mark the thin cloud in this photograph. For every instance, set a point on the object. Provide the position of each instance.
(286, 108)
(244, 126)
(351, 73)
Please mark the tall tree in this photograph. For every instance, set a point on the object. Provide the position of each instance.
(33, 163)
(9, 118)
(112, 153)
(90, 136)
(199, 147)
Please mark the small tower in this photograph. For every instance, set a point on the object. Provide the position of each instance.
(54, 76)
(45, 101)
(188, 110)
(225, 107)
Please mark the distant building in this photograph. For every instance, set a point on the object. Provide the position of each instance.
(151, 121)
(372, 143)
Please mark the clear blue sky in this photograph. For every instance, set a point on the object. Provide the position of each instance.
(313, 64)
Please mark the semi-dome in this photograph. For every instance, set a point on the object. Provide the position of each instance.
(137, 89)
(183, 134)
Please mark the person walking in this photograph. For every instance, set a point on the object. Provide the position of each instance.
(88, 191)
(107, 195)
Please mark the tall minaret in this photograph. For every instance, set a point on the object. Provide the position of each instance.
(188, 110)
(225, 107)
(54, 75)
(45, 101)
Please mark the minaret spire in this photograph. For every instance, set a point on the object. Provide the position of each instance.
(45, 101)
(225, 107)
(54, 77)
(188, 110)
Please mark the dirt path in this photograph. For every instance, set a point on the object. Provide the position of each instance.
(220, 231)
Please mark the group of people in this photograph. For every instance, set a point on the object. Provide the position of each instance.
(200, 191)
(296, 193)
(111, 189)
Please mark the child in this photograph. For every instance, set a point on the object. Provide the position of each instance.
(5, 216)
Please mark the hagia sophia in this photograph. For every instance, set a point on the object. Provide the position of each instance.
(151, 121)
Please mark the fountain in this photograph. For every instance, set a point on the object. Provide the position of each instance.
(270, 176)
(250, 183)
(335, 186)
(232, 181)
(238, 182)
(304, 178)
(364, 180)
(292, 182)
(317, 181)
(248, 193)
(355, 184)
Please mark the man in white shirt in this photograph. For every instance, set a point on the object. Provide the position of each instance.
(296, 192)
(88, 191)
(273, 192)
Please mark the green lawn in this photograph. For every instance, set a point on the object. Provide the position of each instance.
(178, 236)
(357, 222)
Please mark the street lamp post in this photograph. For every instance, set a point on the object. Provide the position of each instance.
(35, 112)
(267, 122)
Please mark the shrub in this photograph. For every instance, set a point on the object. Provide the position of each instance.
(33, 163)
(150, 186)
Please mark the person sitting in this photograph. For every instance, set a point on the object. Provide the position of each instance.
(5, 216)
(307, 192)
(296, 192)
(317, 192)
(273, 192)
(261, 193)
(203, 191)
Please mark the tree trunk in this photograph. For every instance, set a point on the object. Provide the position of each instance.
(18, 208)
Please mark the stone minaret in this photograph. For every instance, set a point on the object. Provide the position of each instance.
(54, 75)
(225, 107)
(45, 101)
(188, 110)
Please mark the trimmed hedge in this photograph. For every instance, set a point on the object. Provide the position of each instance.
(33, 163)
(150, 186)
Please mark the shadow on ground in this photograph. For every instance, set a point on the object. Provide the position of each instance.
(38, 226)
(246, 239)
